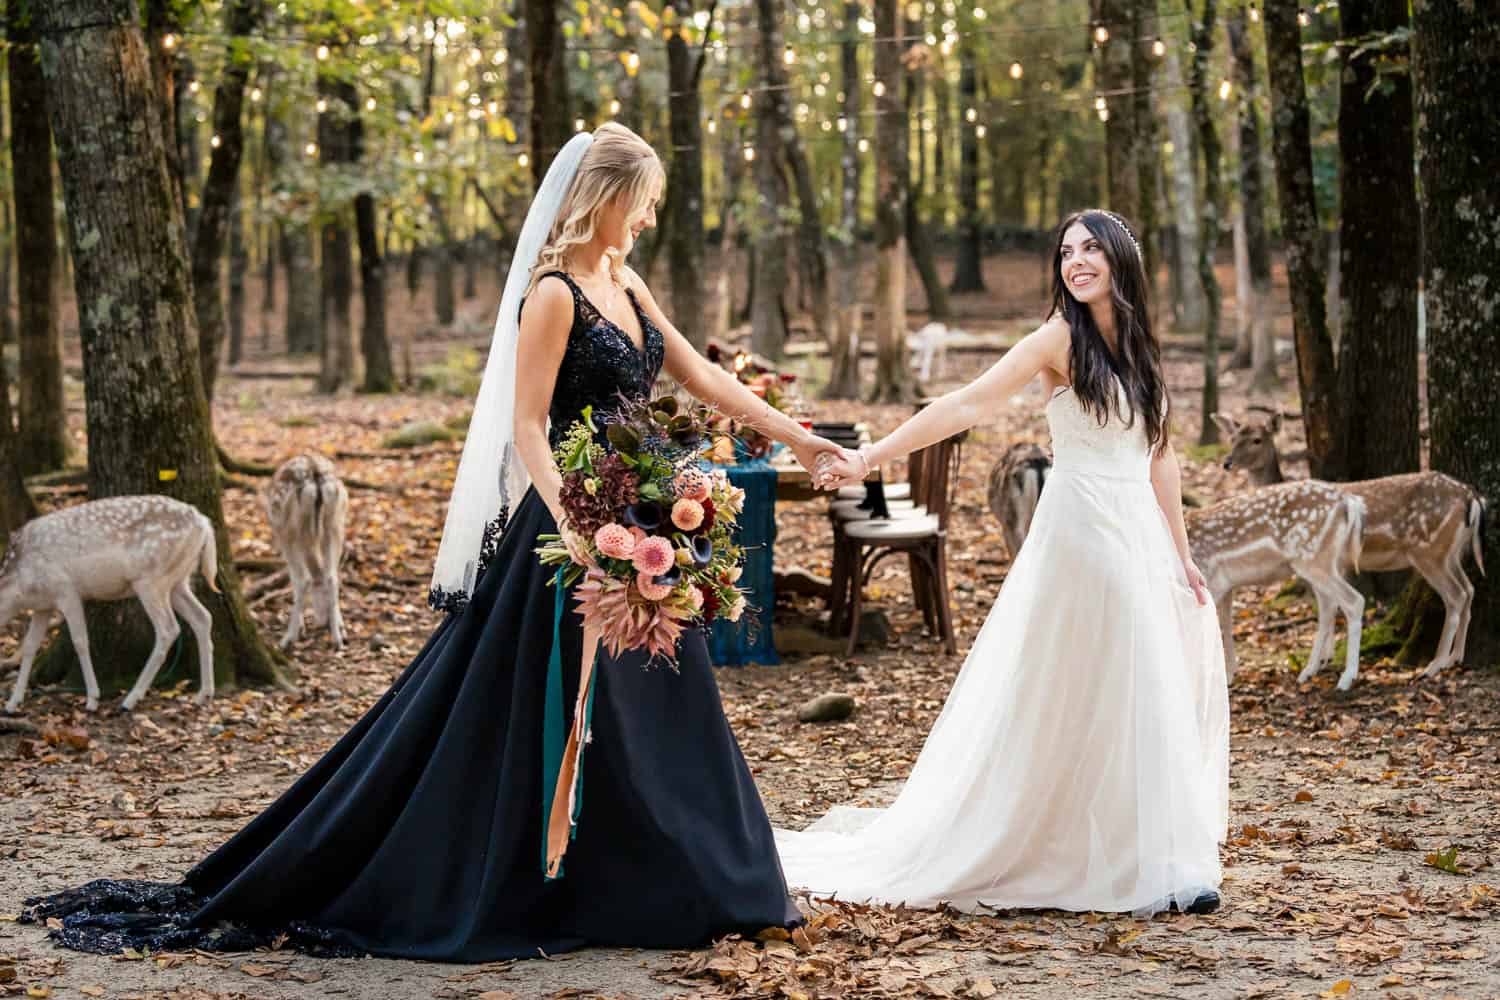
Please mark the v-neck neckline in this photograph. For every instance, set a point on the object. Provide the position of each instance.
(640, 349)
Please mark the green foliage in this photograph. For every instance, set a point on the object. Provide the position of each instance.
(458, 374)
(419, 433)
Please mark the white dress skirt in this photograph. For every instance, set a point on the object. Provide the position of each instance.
(1081, 761)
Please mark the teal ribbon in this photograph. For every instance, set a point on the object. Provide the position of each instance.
(554, 730)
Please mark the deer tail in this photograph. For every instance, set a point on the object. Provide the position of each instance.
(1478, 513)
(208, 557)
(1354, 515)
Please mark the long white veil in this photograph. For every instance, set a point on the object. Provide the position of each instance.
(490, 474)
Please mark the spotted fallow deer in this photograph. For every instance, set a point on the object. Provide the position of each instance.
(1308, 528)
(1015, 486)
(1425, 521)
(107, 550)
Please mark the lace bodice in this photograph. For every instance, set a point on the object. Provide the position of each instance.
(601, 361)
(1116, 449)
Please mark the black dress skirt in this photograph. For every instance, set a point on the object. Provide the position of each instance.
(420, 833)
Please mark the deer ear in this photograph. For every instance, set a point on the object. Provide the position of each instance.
(1275, 423)
(1226, 423)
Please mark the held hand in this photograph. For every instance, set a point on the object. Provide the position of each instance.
(1196, 581)
(810, 452)
(847, 469)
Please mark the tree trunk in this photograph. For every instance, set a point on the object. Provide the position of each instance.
(336, 151)
(147, 415)
(16, 506)
(968, 269)
(1202, 32)
(918, 238)
(1381, 249)
(374, 340)
(1114, 73)
(685, 242)
(1261, 357)
(41, 442)
(767, 312)
(1457, 76)
(893, 382)
(1144, 28)
(296, 252)
(1192, 311)
(843, 375)
(218, 195)
(1292, 147)
(551, 106)
(812, 250)
(162, 20)
(239, 264)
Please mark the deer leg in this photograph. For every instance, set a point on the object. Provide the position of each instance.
(35, 633)
(298, 574)
(1456, 592)
(159, 609)
(1322, 647)
(331, 567)
(1352, 603)
(186, 604)
(72, 610)
(1224, 604)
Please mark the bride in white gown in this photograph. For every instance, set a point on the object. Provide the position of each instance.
(1081, 760)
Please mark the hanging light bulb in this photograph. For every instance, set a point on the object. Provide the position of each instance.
(194, 87)
(322, 105)
(745, 100)
(632, 62)
(713, 126)
(971, 114)
(788, 55)
(1225, 89)
(492, 108)
(864, 145)
(979, 131)
(417, 156)
(214, 142)
(843, 124)
(578, 125)
(1158, 48)
(1100, 104)
(523, 159)
(169, 41)
(879, 88)
(322, 52)
(1101, 34)
(749, 153)
(614, 107)
(311, 149)
(979, 14)
(255, 95)
(1016, 72)
(1104, 114)
(1303, 19)
(1255, 13)
(369, 104)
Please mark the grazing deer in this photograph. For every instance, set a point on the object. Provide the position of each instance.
(929, 345)
(307, 506)
(1016, 484)
(1308, 528)
(1424, 521)
(106, 550)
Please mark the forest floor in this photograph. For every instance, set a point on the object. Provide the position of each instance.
(1362, 836)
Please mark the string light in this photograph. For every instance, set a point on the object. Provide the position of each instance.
(1016, 71)
(879, 88)
(1225, 89)
(745, 100)
(311, 149)
(369, 104)
(493, 107)
(214, 142)
(1302, 19)
(194, 87)
(843, 124)
(322, 105)
(322, 52)
(632, 62)
(1104, 114)
(1158, 48)
(1101, 34)
(498, 59)
(749, 153)
(578, 125)
(475, 57)
(979, 131)
(1254, 13)
(523, 160)
(864, 145)
(979, 14)
(713, 126)
(255, 95)
(1100, 104)
(169, 41)
(788, 56)
(614, 107)
(417, 156)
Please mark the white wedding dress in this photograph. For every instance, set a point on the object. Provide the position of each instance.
(1082, 759)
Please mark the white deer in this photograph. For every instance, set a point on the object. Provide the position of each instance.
(1015, 486)
(307, 506)
(1425, 521)
(106, 550)
(1308, 528)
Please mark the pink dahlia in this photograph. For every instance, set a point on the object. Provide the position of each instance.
(695, 598)
(687, 514)
(653, 555)
(615, 541)
(691, 484)
(650, 589)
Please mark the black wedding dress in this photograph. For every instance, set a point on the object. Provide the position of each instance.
(419, 834)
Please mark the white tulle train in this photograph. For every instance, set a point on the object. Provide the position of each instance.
(1081, 760)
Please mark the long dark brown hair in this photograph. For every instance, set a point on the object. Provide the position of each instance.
(1092, 367)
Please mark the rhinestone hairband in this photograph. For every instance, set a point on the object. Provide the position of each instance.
(1121, 223)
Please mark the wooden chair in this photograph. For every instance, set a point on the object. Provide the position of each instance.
(862, 545)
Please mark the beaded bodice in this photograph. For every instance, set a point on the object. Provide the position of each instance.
(1118, 448)
(602, 362)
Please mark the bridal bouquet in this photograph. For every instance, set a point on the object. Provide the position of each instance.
(647, 531)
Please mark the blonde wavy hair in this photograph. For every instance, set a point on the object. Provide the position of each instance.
(618, 164)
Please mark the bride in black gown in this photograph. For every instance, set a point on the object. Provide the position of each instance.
(420, 833)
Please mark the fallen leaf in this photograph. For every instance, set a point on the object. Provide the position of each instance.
(1338, 989)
